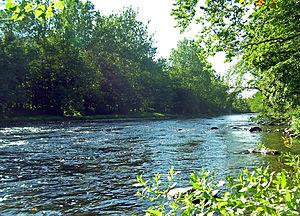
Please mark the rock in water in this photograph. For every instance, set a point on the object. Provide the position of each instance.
(176, 192)
(72, 168)
(214, 128)
(255, 129)
(261, 151)
(266, 151)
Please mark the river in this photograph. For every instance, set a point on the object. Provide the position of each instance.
(89, 168)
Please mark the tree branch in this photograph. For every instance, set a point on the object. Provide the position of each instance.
(274, 40)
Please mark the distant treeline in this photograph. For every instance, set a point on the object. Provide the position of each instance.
(80, 62)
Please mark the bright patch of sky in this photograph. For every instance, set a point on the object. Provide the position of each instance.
(161, 24)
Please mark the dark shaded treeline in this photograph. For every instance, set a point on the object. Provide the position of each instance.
(80, 62)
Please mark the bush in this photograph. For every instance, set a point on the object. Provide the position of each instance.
(295, 119)
(258, 192)
(295, 124)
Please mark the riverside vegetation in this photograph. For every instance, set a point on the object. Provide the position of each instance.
(254, 192)
(64, 58)
(116, 72)
(264, 34)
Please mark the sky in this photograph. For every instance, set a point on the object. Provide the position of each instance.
(161, 24)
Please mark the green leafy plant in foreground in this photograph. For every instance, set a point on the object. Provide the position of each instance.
(258, 192)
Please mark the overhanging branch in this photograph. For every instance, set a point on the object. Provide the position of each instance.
(274, 40)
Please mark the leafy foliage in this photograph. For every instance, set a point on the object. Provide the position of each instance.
(256, 103)
(71, 60)
(264, 33)
(40, 10)
(295, 120)
(195, 82)
(258, 192)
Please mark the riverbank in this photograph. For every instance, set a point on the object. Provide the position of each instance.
(137, 116)
(106, 118)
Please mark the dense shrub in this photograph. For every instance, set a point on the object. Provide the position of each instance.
(261, 191)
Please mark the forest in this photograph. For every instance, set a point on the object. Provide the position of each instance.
(76, 61)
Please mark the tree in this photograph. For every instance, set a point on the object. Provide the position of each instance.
(123, 50)
(57, 71)
(264, 33)
(59, 78)
(12, 74)
(197, 89)
(77, 61)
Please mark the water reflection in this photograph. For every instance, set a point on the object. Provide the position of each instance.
(90, 167)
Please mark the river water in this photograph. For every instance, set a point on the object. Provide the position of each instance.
(89, 168)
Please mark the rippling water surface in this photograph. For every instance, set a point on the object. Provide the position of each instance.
(89, 168)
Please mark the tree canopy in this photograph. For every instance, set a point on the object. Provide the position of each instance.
(69, 59)
(264, 33)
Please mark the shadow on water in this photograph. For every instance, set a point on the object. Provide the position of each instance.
(90, 168)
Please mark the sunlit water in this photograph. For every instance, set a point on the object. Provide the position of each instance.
(89, 168)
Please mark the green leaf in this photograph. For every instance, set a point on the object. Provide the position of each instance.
(141, 181)
(40, 11)
(9, 4)
(156, 177)
(242, 2)
(49, 13)
(59, 4)
(283, 180)
(21, 16)
(28, 7)
(154, 212)
(15, 16)
(288, 196)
